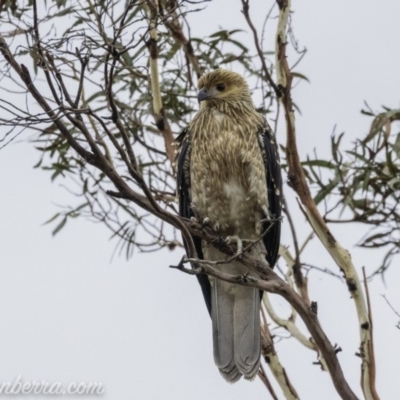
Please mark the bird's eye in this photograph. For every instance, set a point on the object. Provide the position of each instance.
(220, 87)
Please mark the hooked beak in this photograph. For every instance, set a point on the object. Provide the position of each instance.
(203, 95)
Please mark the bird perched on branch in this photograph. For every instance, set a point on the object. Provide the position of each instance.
(229, 177)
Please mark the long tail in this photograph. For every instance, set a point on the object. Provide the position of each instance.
(235, 313)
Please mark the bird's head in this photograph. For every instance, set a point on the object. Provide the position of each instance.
(222, 85)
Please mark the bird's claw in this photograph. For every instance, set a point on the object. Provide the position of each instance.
(259, 225)
(215, 228)
(206, 222)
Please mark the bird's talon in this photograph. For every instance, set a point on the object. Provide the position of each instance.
(228, 240)
(206, 222)
(259, 224)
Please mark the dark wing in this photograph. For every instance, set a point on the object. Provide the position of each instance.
(274, 185)
(183, 185)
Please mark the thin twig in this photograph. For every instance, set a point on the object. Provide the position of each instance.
(264, 378)
(300, 280)
(267, 75)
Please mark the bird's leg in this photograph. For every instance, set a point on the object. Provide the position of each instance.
(238, 241)
(266, 213)
(259, 224)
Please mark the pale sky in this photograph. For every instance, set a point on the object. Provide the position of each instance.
(70, 313)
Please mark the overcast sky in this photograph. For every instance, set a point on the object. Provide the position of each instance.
(70, 313)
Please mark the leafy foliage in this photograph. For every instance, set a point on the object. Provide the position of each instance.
(114, 82)
(93, 49)
(365, 181)
(94, 57)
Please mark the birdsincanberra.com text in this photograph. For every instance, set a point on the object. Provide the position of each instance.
(43, 387)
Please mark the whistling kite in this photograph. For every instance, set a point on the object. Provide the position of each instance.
(229, 177)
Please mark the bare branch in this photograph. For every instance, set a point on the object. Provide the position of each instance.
(267, 75)
(174, 26)
(299, 184)
(263, 376)
(158, 109)
(272, 359)
(272, 283)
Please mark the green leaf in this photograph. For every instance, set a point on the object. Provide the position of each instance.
(300, 76)
(325, 191)
(51, 219)
(59, 226)
(319, 163)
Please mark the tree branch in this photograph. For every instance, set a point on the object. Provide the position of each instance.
(272, 359)
(173, 25)
(158, 109)
(267, 75)
(269, 281)
(298, 182)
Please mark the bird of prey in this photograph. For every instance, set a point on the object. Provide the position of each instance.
(228, 176)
